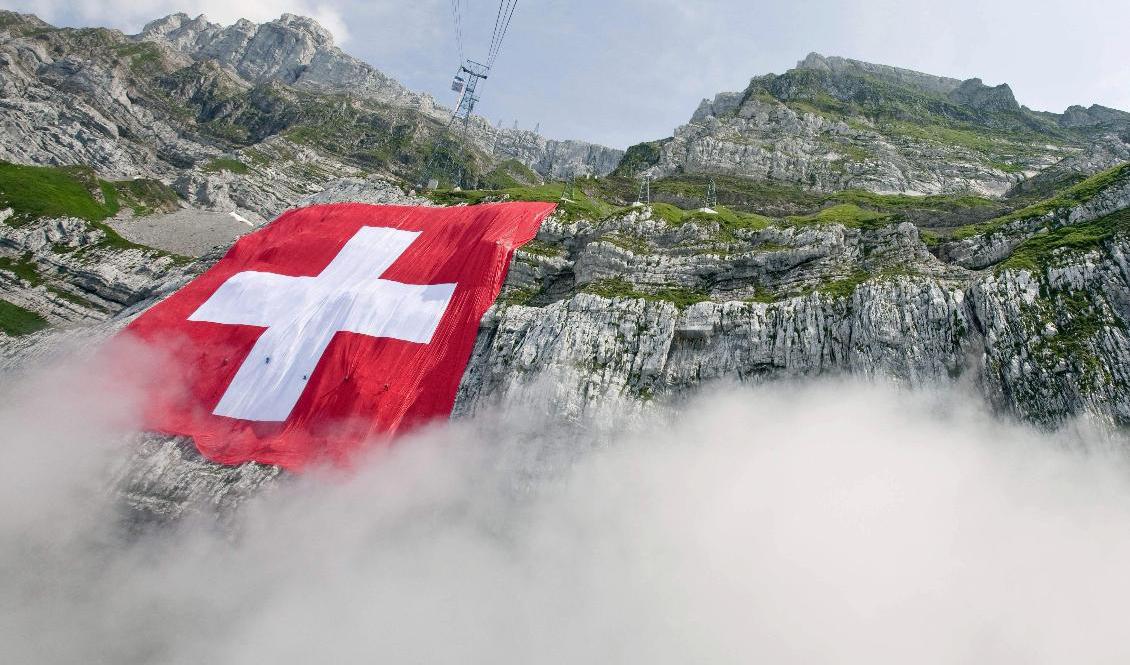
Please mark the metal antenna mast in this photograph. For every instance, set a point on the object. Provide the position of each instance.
(645, 191)
(711, 199)
(569, 190)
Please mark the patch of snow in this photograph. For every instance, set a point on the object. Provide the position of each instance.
(240, 218)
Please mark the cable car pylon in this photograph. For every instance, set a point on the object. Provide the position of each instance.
(466, 82)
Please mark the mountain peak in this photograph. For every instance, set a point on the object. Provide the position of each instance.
(186, 33)
(976, 95)
(174, 22)
(307, 25)
(280, 49)
(942, 85)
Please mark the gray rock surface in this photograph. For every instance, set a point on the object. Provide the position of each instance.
(766, 139)
(781, 301)
(298, 51)
(186, 232)
(996, 243)
(293, 49)
(941, 85)
(610, 314)
(167, 102)
(833, 124)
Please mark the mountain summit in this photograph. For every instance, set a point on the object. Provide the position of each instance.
(833, 123)
(185, 92)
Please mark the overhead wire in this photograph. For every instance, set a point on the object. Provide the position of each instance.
(497, 22)
(506, 10)
(457, 17)
(476, 71)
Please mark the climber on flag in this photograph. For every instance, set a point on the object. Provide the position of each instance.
(333, 326)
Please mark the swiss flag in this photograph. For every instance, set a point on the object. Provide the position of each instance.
(333, 326)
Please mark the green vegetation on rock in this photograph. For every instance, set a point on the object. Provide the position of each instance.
(34, 192)
(843, 288)
(632, 243)
(74, 299)
(845, 214)
(24, 268)
(898, 202)
(512, 296)
(731, 224)
(543, 248)
(16, 321)
(681, 297)
(581, 206)
(639, 157)
(145, 196)
(143, 57)
(1075, 195)
(510, 173)
(1041, 250)
(225, 164)
(617, 287)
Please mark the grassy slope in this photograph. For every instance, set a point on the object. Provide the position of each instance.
(581, 206)
(34, 192)
(41, 191)
(510, 174)
(16, 321)
(615, 287)
(1040, 251)
(597, 199)
(1073, 196)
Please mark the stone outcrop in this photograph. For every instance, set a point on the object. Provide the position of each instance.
(296, 50)
(554, 160)
(185, 92)
(833, 123)
(998, 241)
(941, 85)
(610, 310)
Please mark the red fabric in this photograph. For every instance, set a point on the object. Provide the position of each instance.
(364, 388)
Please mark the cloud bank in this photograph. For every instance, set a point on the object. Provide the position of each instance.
(830, 522)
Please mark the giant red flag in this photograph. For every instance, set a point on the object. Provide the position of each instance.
(332, 326)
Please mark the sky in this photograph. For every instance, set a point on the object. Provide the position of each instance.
(618, 73)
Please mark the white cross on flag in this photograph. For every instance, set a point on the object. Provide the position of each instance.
(333, 326)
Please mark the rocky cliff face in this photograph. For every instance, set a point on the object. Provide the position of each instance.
(832, 124)
(171, 101)
(295, 50)
(614, 309)
(1041, 326)
(556, 160)
(623, 314)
